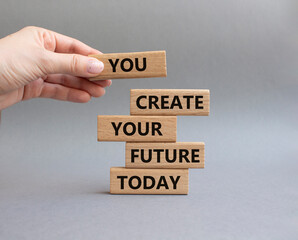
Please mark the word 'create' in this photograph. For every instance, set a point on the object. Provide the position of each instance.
(170, 102)
(148, 181)
(132, 65)
(165, 155)
(136, 128)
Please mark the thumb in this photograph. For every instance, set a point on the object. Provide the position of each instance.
(74, 64)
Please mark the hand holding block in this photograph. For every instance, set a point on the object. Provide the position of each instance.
(170, 102)
(148, 181)
(136, 128)
(132, 65)
(165, 155)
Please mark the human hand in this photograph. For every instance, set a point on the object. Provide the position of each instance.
(36, 62)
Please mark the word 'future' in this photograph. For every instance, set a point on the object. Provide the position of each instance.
(170, 156)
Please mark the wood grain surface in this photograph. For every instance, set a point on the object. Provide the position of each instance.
(165, 155)
(136, 128)
(170, 102)
(132, 65)
(148, 181)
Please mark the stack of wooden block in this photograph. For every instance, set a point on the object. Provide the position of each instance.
(155, 163)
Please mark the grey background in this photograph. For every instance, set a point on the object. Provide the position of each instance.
(54, 175)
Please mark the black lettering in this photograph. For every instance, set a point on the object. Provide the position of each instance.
(183, 154)
(114, 64)
(153, 101)
(156, 126)
(162, 183)
(143, 156)
(137, 64)
(146, 186)
(164, 102)
(174, 155)
(188, 101)
(116, 128)
(198, 102)
(158, 151)
(138, 102)
(133, 128)
(133, 154)
(139, 182)
(195, 153)
(146, 129)
(176, 102)
(130, 65)
(122, 181)
(174, 181)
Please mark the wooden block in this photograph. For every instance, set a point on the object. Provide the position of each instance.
(165, 155)
(132, 65)
(136, 128)
(169, 102)
(148, 181)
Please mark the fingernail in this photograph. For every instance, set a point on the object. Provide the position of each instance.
(94, 66)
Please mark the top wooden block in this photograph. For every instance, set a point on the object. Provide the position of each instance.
(171, 102)
(132, 65)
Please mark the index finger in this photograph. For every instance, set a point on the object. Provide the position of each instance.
(65, 44)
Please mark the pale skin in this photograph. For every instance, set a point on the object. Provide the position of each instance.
(36, 62)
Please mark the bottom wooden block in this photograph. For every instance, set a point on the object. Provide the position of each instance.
(148, 181)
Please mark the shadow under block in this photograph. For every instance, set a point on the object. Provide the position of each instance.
(148, 181)
(132, 65)
(170, 102)
(165, 155)
(136, 128)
